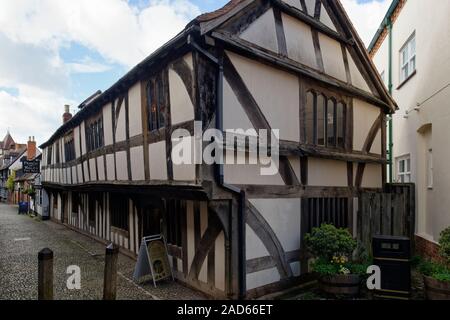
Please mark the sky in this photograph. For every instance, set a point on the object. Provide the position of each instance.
(57, 52)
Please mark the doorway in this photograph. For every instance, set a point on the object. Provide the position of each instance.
(151, 219)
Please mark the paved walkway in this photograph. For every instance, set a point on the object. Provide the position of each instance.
(22, 237)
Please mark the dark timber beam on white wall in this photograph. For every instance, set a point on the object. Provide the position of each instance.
(248, 49)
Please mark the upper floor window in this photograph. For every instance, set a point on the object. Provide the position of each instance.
(69, 147)
(156, 102)
(404, 169)
(57, 157)
(49, 155)
(408, 59)
(325, 120)
(94, 133)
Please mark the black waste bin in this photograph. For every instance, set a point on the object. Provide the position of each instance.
(23, 207)
(393, 256)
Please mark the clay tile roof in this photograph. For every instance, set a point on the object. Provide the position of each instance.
(8, 141)
(219, 12)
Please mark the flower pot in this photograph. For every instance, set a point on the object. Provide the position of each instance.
(435, 289)
(347, 285)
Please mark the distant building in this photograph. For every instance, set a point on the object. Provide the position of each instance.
(10, 151)
(412, 53)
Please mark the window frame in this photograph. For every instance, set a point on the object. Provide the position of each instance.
(430, 173)
(94, 133)
(69, 147)
(402, 174)
(410, 57)
(335, 100)
(156, 94)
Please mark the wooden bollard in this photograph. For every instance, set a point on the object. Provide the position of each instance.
(45, 274)
(110, 280)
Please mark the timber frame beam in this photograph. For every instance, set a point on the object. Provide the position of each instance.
(248, 49)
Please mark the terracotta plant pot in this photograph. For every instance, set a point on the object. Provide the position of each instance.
(347, 285)
(435, 289)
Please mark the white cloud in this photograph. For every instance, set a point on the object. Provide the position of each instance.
(33, 32)
(118, 31)
(366, 16)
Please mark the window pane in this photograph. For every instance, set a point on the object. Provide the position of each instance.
(331, 129)
(340, 125)
(401, 166)
(161, 103)
(309, 117)
(408, 165)
(321, 120)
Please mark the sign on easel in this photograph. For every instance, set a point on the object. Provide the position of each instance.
(153, 259)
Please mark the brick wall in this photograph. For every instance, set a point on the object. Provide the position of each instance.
(427, 249)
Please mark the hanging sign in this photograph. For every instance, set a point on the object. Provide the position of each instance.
(153, 259)
(31, 166)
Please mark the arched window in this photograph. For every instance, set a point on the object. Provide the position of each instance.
(321, 117)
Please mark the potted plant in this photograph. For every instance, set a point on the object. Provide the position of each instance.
(333, 249)
(436, 275)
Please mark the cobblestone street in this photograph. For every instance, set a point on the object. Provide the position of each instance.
(22, 237)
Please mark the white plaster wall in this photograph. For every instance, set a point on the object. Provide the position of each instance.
(325, 19)
(86, 171)
(283, 215)
(181, 108)
(327, 173)
(110, 167)
(219, 264)
(157, 160)
(107, 124)
(261, 278)
(262, 32)
(185, 172)
(101, 168)
(248, 173)
(83, 137)
(234, 116)
(74, 175)
(254, 247)
(135, 111)
(120, 125)
(80, 173)
(373, 177)
(203, 275)
(122, 166)
(137, 163)
(92, 168)
(294, 3)
(299, 41)
(357, 78)
(364, 116)
(275, 91)
(333, 60)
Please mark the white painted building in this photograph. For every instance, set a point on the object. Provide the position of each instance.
(419, 47)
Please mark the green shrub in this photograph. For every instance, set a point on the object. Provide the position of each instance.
(327, 242)
(329, 268)
(444, 243)
(10, 181)
(435, 270)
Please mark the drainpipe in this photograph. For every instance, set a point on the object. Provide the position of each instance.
(219, 171)
(391, 129)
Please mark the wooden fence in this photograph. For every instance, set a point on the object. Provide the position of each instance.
(390, 213)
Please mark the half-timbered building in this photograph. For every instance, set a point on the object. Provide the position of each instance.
(294, 65)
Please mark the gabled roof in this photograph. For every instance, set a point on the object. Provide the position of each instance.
(90, 106)
(7, 142)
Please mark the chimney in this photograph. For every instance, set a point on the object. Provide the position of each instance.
(67, 115)
(31, 148)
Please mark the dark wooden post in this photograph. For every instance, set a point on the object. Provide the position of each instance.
(45, 274)
(110, 280)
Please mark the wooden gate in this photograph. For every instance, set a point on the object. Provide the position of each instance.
(391, 213)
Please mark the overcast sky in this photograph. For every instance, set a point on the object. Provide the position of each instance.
(55, 52)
